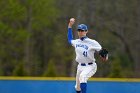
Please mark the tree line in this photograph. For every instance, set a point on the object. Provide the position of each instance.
(33, 36)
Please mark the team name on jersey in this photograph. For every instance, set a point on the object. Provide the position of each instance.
(83, 46)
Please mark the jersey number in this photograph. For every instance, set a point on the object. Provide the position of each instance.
(85, 53)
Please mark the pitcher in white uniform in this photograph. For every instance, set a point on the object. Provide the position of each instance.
(84, 49)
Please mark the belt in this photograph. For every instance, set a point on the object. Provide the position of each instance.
(85, 64)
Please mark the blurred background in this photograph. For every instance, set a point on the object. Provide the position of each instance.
(33, 36)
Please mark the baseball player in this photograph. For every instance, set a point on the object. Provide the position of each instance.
(84, 49)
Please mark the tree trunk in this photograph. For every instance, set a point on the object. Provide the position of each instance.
(28, 49)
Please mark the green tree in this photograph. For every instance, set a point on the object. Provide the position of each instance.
(50, 71)
(20, 22)
(19, 70)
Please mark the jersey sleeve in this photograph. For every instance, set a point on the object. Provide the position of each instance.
(73, 42)
(70, 35)
(96, 46)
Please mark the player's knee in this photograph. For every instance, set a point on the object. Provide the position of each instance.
(83, 79)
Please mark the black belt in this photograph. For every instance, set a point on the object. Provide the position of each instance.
(84, 64)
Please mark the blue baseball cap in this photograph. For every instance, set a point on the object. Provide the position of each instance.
(82, 27)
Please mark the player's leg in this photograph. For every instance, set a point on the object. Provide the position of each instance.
(83, 83)
(87, 72)
(77, 86)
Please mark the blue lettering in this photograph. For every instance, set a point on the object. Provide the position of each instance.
(83, 46)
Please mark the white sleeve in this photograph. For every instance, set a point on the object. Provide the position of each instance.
(96, 46)
(73, 42)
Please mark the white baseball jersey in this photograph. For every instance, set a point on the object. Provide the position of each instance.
(85, 49)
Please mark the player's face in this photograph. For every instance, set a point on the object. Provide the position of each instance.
(82, 33)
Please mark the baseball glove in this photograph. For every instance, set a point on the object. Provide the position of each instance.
(103, 54)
